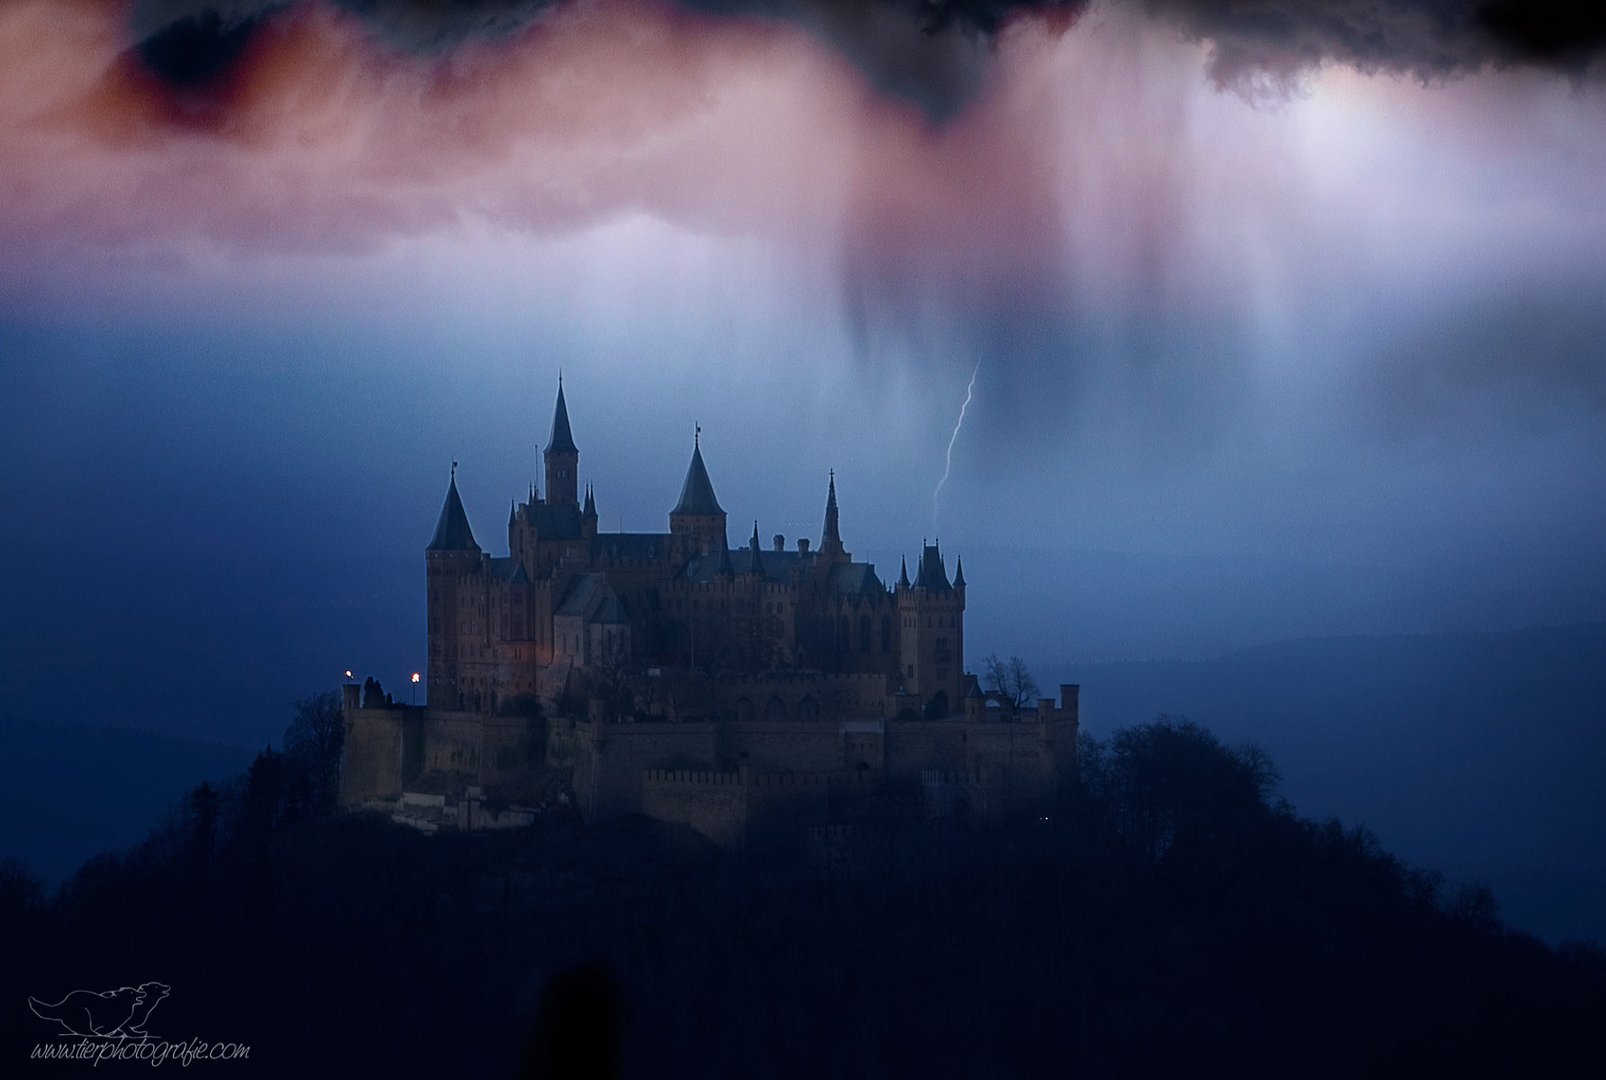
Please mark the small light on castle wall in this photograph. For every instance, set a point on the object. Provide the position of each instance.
(415, 688)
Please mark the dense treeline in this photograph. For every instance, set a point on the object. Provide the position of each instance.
(1167, 913)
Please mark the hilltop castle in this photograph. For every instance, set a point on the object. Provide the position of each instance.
(568, 601)
(666, 666)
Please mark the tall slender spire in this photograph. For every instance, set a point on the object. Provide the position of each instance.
(832, 538)
(562, 458)
(755, 564)
(959, 572)
(903, 572)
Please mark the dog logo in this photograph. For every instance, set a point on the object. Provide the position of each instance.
(106, 1014)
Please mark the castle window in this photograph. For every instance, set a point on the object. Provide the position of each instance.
(864, 633)
(886, 633)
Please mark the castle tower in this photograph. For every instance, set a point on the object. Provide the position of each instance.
(698, 521)
(451, 563)
(931, 614)
(831, 538)
(562, 458)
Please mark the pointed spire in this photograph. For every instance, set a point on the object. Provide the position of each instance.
(903, 572)
(725, 567)
(755, 565)
(697, 493)
(451, 530)
(512, 511)
(590, 509)
(562, 441)
(959, 572)
(832, 538)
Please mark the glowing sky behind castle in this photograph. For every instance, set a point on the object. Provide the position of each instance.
(1227, 305)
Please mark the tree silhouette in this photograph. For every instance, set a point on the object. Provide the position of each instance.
(313, 741)
(1009, 680)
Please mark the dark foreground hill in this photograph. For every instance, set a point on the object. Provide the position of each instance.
(1482, 754)
(1167, 915)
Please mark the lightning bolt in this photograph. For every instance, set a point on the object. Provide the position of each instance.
(948, 464)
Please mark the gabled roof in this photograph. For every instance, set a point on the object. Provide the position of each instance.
(451, 530)
(697, 493)
(509, 569)
(591, 597)
(562, 440)
(855, 577)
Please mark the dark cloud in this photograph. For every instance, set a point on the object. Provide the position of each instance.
(1265, 45)
(929, 51)
(194, 45)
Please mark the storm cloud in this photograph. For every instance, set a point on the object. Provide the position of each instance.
(931, 51)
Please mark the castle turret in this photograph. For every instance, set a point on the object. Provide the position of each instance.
(698, 521)
(932, 633)
(562, 458)
(452, 562)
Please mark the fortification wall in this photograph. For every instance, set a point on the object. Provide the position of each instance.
(453, 743)
(713, 803)
(381, 753)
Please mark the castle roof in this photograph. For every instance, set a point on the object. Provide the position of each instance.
(932, 573)
(590, 597)
(697, 493)
(554, 522)
(562, 441)
(630, 545)
(856, 577)
(508, 568)
(451, 529)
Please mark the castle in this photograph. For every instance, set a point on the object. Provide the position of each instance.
(672, 674)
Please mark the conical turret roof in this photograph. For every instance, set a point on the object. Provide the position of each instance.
(562, 441)
(697, 493)
(451, 530)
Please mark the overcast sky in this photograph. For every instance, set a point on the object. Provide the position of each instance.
(1277, 326)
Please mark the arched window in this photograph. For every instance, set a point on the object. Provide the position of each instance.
(864, 633)
(886, 633)
(744, 710)
(775, 709)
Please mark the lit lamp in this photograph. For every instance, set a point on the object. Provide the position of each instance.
(415, 688)
(348, 674)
